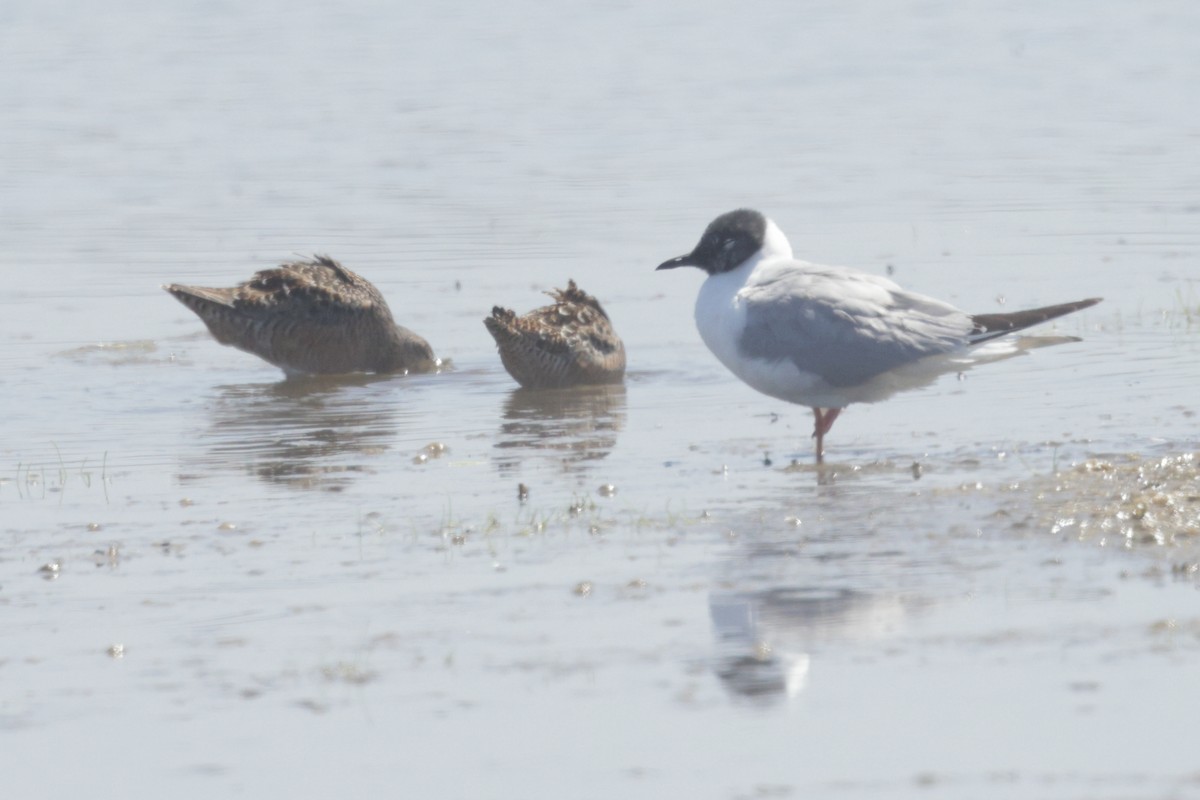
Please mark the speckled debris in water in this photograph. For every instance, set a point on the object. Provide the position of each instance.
(1131, 502)
(110, 555)
(583, 588)
(430, 451)
(348, 673)
(116, 651)
(606, 490)
(314, 706)
(227, 527)
(50, 570)
(93, 526)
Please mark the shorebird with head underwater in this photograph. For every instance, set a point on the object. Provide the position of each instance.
(310, 317)
(568, 343)
(826, 337)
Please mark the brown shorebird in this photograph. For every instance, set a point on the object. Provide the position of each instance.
(569, 343)
(826, 337)
(310, 318)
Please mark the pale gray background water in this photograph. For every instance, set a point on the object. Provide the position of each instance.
(304, 610)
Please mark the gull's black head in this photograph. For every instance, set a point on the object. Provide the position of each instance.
(728, 241)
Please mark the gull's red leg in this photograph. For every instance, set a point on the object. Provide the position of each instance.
(822, 421)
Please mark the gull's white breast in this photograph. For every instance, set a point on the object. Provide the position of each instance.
(721, 320)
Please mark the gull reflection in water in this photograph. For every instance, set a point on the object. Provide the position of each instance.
(312, 433)
(765, 640)
(575, 426)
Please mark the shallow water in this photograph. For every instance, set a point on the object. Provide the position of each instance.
(216, 583)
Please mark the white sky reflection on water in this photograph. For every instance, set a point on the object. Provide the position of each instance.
(304, 609)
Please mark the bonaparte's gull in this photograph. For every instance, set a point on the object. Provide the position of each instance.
(826, 337)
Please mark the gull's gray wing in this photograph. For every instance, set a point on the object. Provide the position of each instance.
(843, 325)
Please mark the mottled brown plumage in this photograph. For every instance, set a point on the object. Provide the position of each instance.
(569, 343)
(310, 318)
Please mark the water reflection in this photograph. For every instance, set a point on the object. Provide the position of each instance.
(575, 426)
(765, 639)
(311, 433)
